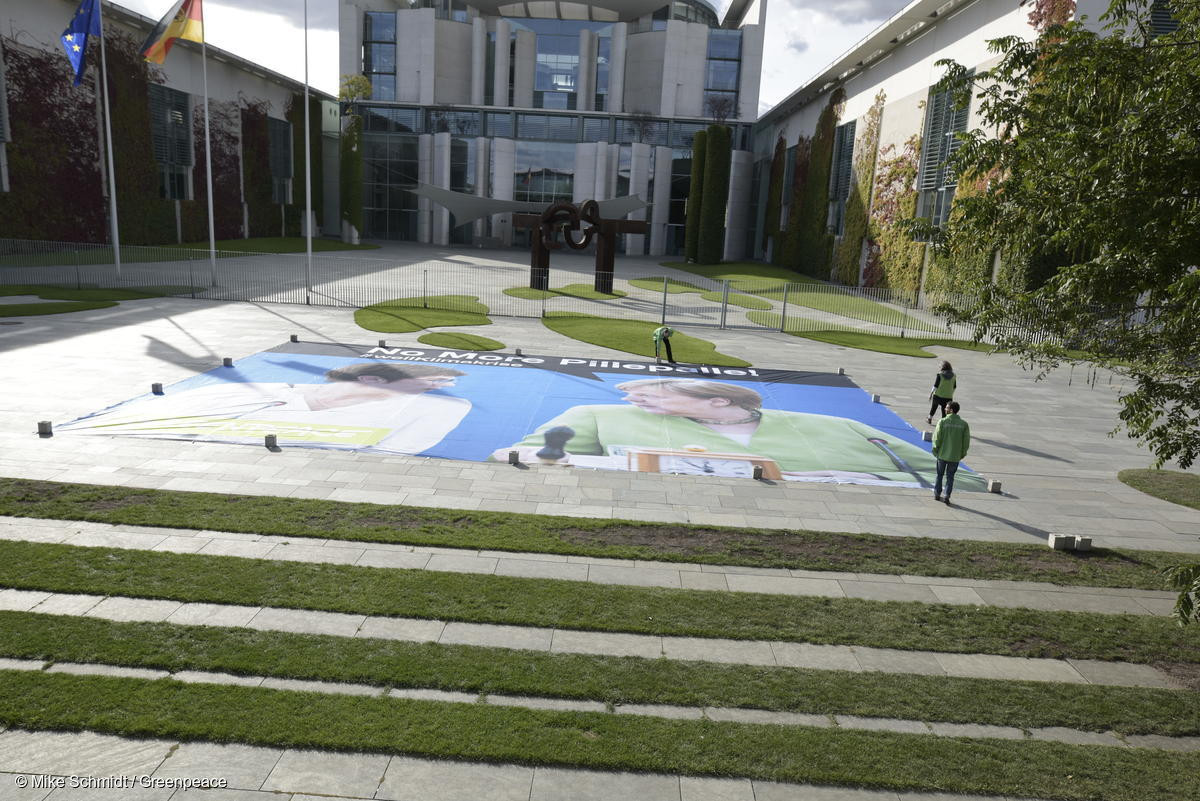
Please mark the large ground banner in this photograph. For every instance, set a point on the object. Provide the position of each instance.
(605, 414)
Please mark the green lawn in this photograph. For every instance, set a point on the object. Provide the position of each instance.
(73, 300)
(277, 244)
(634, 336)
(1168, 485)
(610, 679)
(582, 291)
(459, 341)
(404, 315)
(545, 603)
(289, 719)
(714, 295)
(621, 539)
(900, 346)
(86, 255)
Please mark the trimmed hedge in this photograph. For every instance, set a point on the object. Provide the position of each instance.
(695, 196)
(711, 246)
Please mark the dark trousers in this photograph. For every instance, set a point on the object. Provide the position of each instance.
(938, 403)
(666, 343)
(947, 469)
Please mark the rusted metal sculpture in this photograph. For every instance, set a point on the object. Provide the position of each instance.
(570, 219)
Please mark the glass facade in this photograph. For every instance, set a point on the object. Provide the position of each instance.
(556, 69)
(722, 73)
(379, 53)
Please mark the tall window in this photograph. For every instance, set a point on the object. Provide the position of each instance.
(279, 133)
(722, 71)
(5, 135)
(1162, 21)
(935, 182)
(171, 136)
(841, 173)
(379, 53)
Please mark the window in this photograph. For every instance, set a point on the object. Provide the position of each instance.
(935, 182)
(5, 134)
(279, 133)
(841, 173)
(596, 129)
(722, 74)
(1162, 19)
(379, 53)
(171, 138)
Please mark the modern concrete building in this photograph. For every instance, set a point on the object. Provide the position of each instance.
(542, 101)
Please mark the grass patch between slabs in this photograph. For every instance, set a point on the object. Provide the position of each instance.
(1167, 485)
(459, 341)
(288, 719)
(634, 336)
(610, 679)
(620, 539)
(405, 315)
(583, 291)
(547, 603)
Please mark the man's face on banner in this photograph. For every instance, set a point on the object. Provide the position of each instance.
(410, 386)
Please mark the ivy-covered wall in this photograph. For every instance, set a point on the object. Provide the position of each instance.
(352, 173)
(264, 216)
(227, 188)
(848, 256)
(808, 244)
(774, 188)
(894, 259)
(295, 115)
(957, 265)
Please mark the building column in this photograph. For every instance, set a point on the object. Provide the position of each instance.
(614, 170)
(737, 216)
(750, 71)
(524, 67)
(425, 176)
(584, 186)
(616, 68)
(601, 186)
(585, 83)
(483, 153)
(441, 178)
(661, 212)
(639, 184)
(478, 59)
(504, 162)
(500, 79)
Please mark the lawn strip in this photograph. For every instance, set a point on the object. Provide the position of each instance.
(414, 525)
(549, 603)
(257, 716)
(1173, 486)
(611, 679)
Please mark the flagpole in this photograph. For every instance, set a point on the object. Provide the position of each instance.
(308, 215)
(112, 176)
(212, 238)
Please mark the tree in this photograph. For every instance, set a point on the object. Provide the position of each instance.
(711, 244)
(1186, 579)
(720, 107)
(641, 125)
(1087, 168)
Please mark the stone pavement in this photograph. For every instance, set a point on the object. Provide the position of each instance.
(688, 576)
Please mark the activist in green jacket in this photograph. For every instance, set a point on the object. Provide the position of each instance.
(711, 416)
(662, 339)
(952, 437)
(944, 384)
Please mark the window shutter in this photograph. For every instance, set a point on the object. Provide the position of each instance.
(280, 148)
(158, 123)
(3, 100)
(170, 126)
(1162, 21)
(934, 141)
(845, 160)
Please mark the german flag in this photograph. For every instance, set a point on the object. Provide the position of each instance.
(185, 20)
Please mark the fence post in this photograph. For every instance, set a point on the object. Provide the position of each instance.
(724, 302)
(783, 315)
(425, 288)
(904, 317)
(664, 303)
(78, 283)
(191, 280)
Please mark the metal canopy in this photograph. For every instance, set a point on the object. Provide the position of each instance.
(467, 208)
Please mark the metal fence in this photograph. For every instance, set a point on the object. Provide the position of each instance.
(642, 290)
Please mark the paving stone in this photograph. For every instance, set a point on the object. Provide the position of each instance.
(1058, 734)
(252, 550)
(784, 585)
(956, 595)
(21, 664)
(426, 694)
(111, 794)
(8, 781)
(497, 636)
(82, 754)
(1121, 674)
(889, 660)
(328, 687)
(205, 677)
(461, 564)
(536, 568)
(633, 576)
(737, 652)
(881, 724)
(699, 580)
(316, 554)
(775, 791)
(181, 544)
(64, 604)
(556, 784)
(977, 730)
(306, 622)
(559, 704)
(186, 794)
(134, 609)
(696, 789)
(1189, 744)
(77, 669)
(21, 600)
(324, 773)
(397, 628)
(888, 591)
(986, 666)
(408, 560)
(244, 767)
(768, 717)
(568, 641)
(661, 711)
(115, 539)
(197, 614)
(409, 779)
(823, 657)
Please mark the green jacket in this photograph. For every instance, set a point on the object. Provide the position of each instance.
(799, 442)
(944, 385)
(662, 332)
(951, 438)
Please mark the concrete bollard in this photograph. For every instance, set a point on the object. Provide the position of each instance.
(156, 388)
(1061, 542)
(518, 351)
(45, 429)
(994, 486)
(227, 362)
(271, 441)
(874, 399)
(514, 457)
(841, 371)
(927, 436)
(758, 472)
(1083, 543)
(295, 338)
(383, 343)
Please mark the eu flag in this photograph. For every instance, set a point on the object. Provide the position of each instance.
(85, 23)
